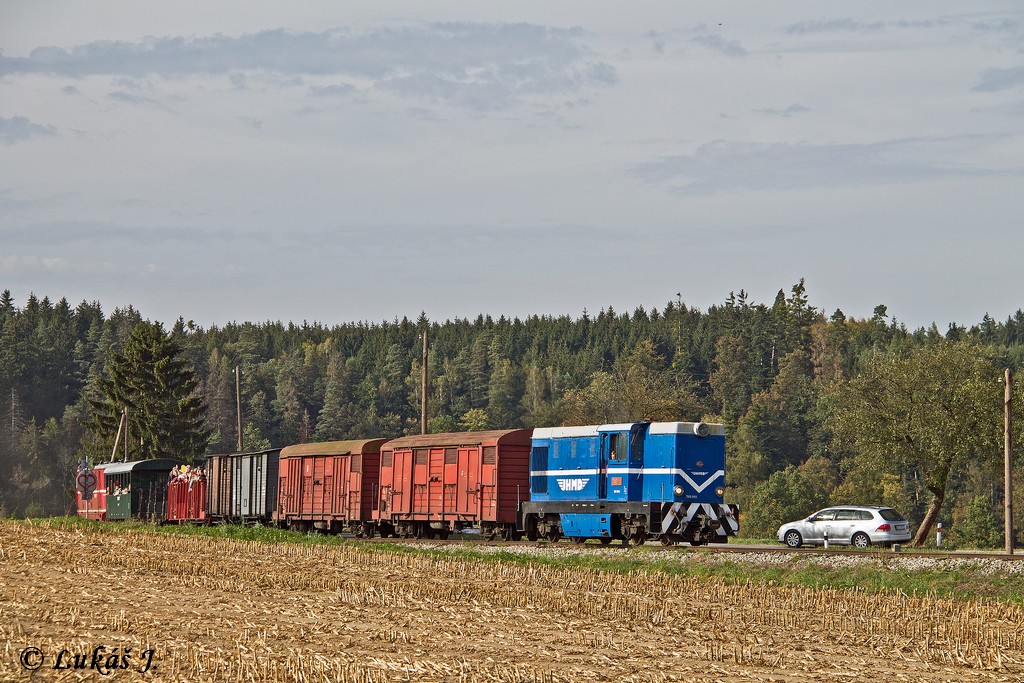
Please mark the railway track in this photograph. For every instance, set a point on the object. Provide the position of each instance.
(475, 542)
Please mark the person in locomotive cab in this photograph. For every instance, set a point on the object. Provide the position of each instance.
(613, 455)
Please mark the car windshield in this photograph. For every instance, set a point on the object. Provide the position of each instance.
(890, 515)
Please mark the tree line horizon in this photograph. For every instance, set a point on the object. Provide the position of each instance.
(819, 409)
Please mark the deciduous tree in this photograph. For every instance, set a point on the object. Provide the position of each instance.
(932, 409)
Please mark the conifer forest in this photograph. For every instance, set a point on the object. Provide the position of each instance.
(819, 407)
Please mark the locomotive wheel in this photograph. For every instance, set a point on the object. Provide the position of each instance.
(554, 536)
(638, 538)
(606, 540)
(578, 540)
(665, 540)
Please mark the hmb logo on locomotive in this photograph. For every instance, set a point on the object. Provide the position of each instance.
(572, 484)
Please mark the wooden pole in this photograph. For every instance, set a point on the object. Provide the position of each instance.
(423, 386)
(238, 404)
(117, 439)
(1008, 458)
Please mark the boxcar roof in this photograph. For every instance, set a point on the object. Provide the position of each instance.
(333, 448)
(242, 455)
(494, 436)
(139, 465)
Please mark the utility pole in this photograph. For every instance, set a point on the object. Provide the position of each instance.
(238, 405)
(679, 317)
(1008, 458)
(423, 386)
(120, 426)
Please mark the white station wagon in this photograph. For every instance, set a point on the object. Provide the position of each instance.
(856, 525)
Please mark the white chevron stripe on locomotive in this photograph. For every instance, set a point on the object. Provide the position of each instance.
(634, 470)
(709, 510)
(668, 521)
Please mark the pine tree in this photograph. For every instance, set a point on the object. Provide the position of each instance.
(166, 416)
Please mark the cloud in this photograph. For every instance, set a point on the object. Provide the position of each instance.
(13, 264)
(729, 166)
(785, 113)
(1002, 24)
(20, 129)
(251, 122)
(729, 48)
(471, 64)
(332, 90)
(129, 98)
(835, 25)
(993, 80)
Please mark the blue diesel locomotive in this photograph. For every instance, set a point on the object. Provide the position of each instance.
(631, 482)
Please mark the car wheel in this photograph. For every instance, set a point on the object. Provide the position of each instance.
(793, 538)
(861, 540)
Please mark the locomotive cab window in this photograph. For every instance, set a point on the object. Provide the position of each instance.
(636, 446)
(613, 447)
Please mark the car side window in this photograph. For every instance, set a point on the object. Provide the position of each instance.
(824, 516)
(864, 515)
(845, 515)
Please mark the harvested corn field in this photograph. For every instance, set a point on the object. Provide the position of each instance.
(203, 609)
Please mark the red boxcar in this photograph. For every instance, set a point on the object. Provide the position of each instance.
(330, 486)
(433, 484)
(186, 501)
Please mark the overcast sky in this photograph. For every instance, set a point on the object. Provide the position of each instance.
(340, 161)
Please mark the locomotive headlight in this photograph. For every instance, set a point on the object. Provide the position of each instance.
(719, 492)
(678, 490)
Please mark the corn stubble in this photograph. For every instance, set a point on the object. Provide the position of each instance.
(221, 610)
